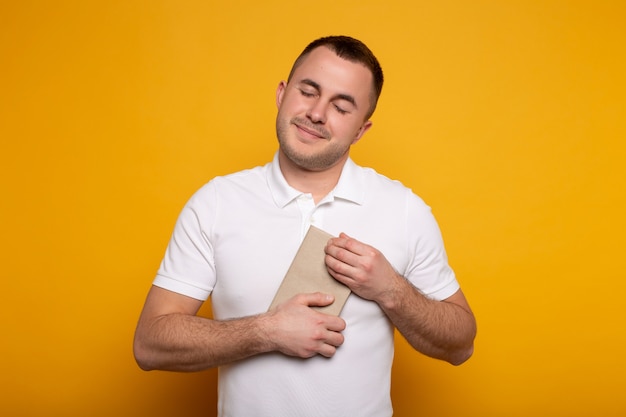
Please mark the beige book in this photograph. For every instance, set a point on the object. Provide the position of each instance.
(308, 274)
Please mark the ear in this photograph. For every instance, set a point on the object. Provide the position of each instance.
(366, 126)
(280, 91)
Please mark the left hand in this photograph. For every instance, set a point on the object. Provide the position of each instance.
(360, 267)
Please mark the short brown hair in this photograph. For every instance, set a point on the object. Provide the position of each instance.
(352, 50)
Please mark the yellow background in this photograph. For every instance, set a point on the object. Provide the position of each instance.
(507, 117)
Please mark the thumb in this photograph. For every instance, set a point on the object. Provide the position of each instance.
(317, 299)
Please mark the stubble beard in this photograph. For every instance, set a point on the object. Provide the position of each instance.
(311, 161)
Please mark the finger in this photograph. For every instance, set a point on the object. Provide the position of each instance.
(335, 324)
(341, 263)
(332, 342)
(341, 253)
(327, 351)
(316, 299)
(335, 339)
(350, 244)
(340, 242)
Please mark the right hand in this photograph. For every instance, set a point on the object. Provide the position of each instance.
(295, 329)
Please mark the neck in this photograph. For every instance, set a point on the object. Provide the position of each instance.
(316, 183)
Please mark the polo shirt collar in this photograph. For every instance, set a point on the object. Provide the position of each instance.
(351, 185)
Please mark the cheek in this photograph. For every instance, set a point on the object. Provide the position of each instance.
(346, 131)
(292, 102)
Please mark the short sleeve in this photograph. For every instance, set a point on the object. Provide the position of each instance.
(188, 265)
(428, 269)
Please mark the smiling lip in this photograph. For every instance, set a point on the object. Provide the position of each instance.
(310, 130)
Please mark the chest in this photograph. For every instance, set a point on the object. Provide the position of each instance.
(252, 253)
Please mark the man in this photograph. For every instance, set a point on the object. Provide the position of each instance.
(237, 236)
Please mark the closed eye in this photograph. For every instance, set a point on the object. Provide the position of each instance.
(308, 89)
(340, 110)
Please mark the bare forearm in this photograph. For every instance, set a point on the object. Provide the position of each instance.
(179, 342)
(440, 329)
(170, 336)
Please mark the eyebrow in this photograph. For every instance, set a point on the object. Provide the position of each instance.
(346, 97)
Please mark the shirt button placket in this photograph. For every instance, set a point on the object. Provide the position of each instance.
(307, 208)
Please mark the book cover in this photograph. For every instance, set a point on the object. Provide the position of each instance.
(308, 274)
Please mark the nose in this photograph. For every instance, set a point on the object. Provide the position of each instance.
(317, 111)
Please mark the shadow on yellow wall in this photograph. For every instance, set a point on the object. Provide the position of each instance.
(506, 117)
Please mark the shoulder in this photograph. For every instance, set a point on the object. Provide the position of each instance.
(246, 177)
(381, 186)
(236, 182)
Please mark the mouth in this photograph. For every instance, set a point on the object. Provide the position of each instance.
(309, 130)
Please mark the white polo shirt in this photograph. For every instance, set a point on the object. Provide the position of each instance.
(234, 241)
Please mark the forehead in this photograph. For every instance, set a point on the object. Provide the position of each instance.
(334, 73)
